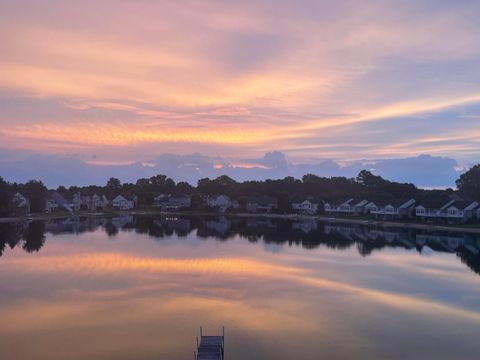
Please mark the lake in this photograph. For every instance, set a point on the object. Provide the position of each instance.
(139, 288)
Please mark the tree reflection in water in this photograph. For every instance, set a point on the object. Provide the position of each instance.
(307, 233)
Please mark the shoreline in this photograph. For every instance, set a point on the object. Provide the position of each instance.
(322, 218)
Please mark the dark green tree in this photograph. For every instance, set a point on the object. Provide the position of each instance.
(36, 192)
(469, 182)
(5, 198)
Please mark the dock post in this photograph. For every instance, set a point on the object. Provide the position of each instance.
(194, 355)
(201, 332)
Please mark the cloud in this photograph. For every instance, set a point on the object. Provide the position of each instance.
(55, 170)
(312, 79)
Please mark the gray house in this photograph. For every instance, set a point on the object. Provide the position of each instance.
(172, 202)
(262, 204)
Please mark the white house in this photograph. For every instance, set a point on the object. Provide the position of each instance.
(461, 210)
(451, 210)
(393, 209)
(220, 203)
(122, 203)
(97, 202)
(434, 208)
(305, 207)
(359, 206)
(343, 207)
(76, 202)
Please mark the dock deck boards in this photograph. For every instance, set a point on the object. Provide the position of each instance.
(210, 348)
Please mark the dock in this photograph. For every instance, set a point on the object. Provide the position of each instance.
(210, 347)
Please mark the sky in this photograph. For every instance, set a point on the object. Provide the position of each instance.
(118, 82)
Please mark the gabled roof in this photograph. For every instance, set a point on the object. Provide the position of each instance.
(340, 202)
(397, 203)
(59, 199)
(120, 198)
(309, 201)
(464, 204)
(437, 202)
(358, 202)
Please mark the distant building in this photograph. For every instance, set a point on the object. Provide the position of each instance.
(57, 202)
(433, 209)
(96, 202)
(305, 207)
(172, 202)
(394, 209)
(342, 207)
(263, 204)
(122, 203)
(447, 210)
(359, 206)
(76, 202)
(221, 203)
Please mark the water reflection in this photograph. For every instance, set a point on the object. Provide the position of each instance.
(307, 233)
(138, 287)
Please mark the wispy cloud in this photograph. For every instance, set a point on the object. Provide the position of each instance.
(312, 78)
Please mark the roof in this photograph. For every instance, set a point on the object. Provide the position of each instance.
(360, 202)
(397, 203)
(340, 202)
(464, 204)
(59, 199)
(120, 198)
(310, 201)
(437, 202)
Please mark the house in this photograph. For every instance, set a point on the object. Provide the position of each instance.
(56, 202)
(220, 203)
(51, 205)
(359, 206)
(172, 202)
(461, 210)
(21, 204)
(305, 207)
(433, 208)
(96, 202)
(122, 203)
(394, 209)
(342, 207)
(261, 204)
(76, 202)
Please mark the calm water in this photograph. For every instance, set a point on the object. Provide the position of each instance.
(138, 288)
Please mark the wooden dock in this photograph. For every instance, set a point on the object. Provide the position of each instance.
(210, 347)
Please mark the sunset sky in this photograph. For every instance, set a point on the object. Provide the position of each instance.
(122, 80)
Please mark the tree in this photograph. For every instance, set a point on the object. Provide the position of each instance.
(114, 184)
(370, 181)
(469, 182)
(36, 192)
(5, 198)
(113, 187)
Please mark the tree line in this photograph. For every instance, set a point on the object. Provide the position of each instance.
(286, 191)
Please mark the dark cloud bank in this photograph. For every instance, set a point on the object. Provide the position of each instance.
(424, 170)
